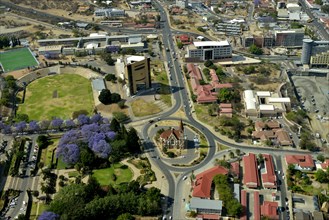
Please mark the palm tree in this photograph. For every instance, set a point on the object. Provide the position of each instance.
(237, 151)
(232, 154)
(224, 156)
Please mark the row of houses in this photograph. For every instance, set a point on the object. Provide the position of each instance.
(205, 93)
(271, 130)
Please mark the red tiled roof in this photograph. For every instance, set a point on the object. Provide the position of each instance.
(301, 160)
(193, 71)
(263, 135)
(269, 177)
(202, 183)
(166, 134)
(325, 164)
(184, 38)
(250, 178)
(269, 209)
(256, 206)
(283, 137)
(209, 216)
(244, 204)
(221, 85)
(225, 105)
(195, 84)
(226, 110)
(235, 168)
(204, 94)
(259, 125)
(213, 75)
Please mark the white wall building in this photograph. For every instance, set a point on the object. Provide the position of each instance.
(109, 12)
(208, 50)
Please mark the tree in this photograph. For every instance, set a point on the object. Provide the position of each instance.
(107, 58)
(105, 96)
(180, 45)
(231, 154)
(325, 9)
(56, 123)
(34, 126)
(22, 117)
(321, 158)
(260, 158)
(115, 125)
(115, 98)
(321, 176)
(201, 29)
(133, 141)
(35, 193)
(318, 2)
(126, 216)
(21, 217)
(208, 63)
(255, 50)
(121, 104)
(238, 152)
(69, 153)
(111, 77)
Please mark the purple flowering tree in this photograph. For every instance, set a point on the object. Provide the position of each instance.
(2, 125)
(48, 216)
(69, 123)
(69, 137)
(7, 129)
(20, 126)
(69, 153)
(33, 126)
(106, 121)
(56, 123)
(83, 119)
(101, 148)
(97, 118)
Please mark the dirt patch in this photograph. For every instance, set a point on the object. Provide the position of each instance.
(141, 108)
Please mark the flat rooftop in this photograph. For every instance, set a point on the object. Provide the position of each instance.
(211, 43)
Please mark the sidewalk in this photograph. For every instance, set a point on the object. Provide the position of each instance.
(136, 172)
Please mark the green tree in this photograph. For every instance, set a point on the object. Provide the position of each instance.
(321, 176)
(325, 9)
(208, 63)
(318, 2)
(201, 29)
(321, 158)
(225, 95)
(107, 58)
(180, 45)
(133, 141)
(115, 98)
(126, 216)
(105, 96)
(255, 50)
(111, 77)
(238, 152)
(22, 117)
(115, 125)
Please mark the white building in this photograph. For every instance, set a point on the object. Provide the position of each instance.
(208, 50)
(264, 103)
(182, 3)
(109, 12)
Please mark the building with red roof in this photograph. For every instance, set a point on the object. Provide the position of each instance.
(269, 209)
(268, 173)
(203, 181)
(325, 164)
(256, 206)
(301, 162)
(193, 71)
(185, 39)
(250, 171)
(244, 205)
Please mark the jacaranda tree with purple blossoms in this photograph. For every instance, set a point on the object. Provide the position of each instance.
(69, 153)
(20, 126)
(48, 216)
(34, 126)
(57, 123)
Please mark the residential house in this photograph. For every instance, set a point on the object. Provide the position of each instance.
(301, 162)
(269, 209)
(250, 171)
(174, 138)
(268, 173)
(269, 125)
(203, 181)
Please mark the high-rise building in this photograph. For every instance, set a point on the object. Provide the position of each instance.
(288, 38)
(315, 53)
(137, 73)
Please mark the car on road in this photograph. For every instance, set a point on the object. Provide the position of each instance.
(185, 177)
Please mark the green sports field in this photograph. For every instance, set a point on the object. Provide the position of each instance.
(57, 96)
(17, 59)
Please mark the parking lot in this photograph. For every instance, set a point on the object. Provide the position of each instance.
(313, 93)
(303, 203)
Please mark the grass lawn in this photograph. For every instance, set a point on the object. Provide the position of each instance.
(46, 154)
(114, 175)
(34, 215)
(61, 165)
(141, 108)
(17, 59)
(57, 96)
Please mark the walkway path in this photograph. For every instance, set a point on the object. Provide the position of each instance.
(136, 172)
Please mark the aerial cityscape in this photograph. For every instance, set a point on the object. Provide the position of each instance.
(164, 109)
